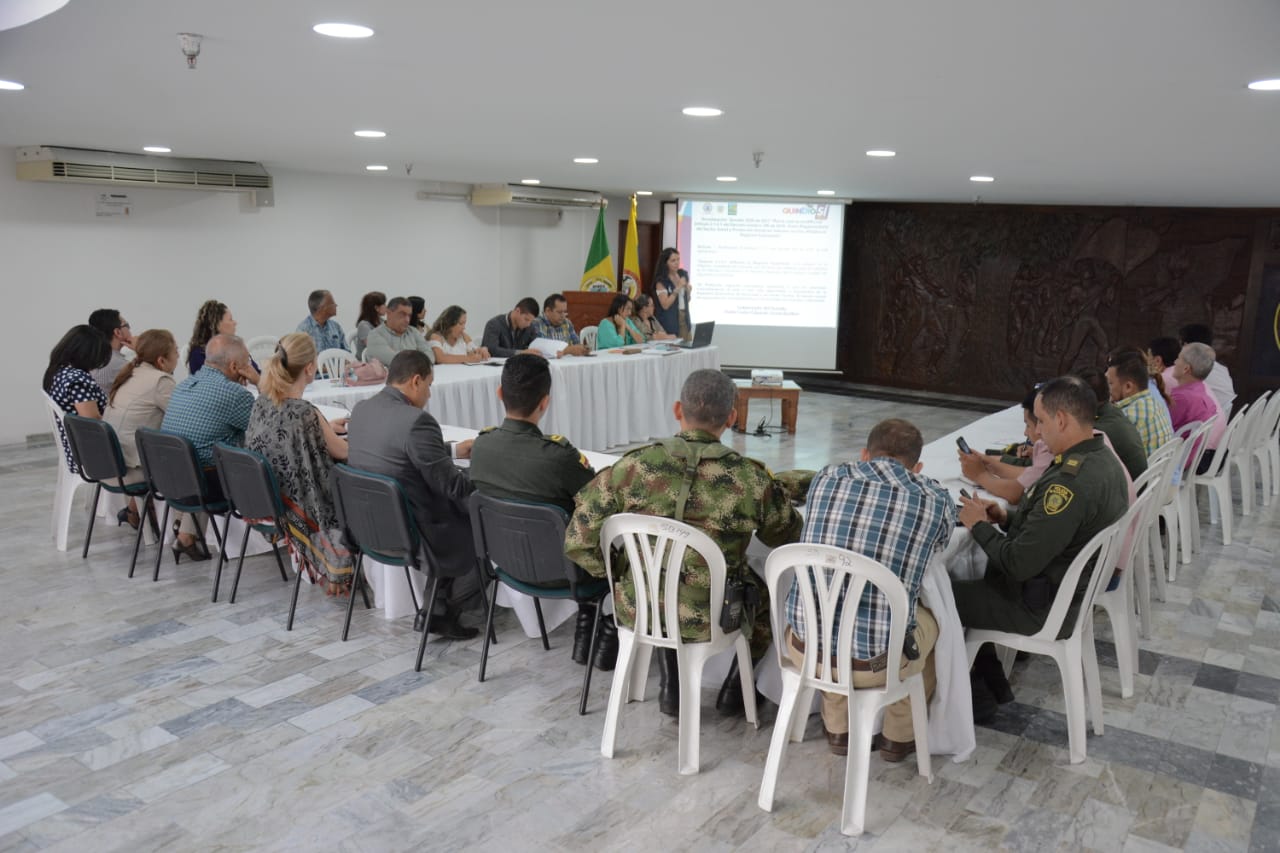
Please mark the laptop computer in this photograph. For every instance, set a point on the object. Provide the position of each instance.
(702, 333)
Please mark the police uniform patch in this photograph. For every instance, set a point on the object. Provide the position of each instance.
(1072, 465)
(582, 459)
(1057, 498)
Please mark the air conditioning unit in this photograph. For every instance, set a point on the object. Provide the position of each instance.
(113, 168)
(520, 195)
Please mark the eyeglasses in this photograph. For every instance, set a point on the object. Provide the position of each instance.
(123, 326)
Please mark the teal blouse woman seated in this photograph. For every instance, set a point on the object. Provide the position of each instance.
(617, 329)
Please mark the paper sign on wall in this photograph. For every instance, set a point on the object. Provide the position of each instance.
(113, 204)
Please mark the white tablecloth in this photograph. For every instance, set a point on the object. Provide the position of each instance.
(597, 402)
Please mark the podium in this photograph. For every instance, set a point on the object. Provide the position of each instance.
(587, 307)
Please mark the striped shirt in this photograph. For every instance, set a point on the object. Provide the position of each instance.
(1149, 417)
(880, 509)
(206, 408)
(563, 332)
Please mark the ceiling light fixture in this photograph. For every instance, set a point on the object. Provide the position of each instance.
(11, 86)
(881, 152)
(585, 161)
(343, 31)
(1265, 85)
(726, 179)
(702, 112)
(826, 192)
(189, 44)
(981, 179)
(376, 167)
(533, 182)
(156, 149)
(644, 192)
(371, 134)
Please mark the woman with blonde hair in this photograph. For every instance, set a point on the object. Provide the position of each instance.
(301, 447)
(138, 398)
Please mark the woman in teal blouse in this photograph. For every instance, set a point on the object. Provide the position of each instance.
(617, 329)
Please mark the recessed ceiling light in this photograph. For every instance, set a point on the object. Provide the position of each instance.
(533, 182)
(981, 179)
(644, 192)
(826, 192)
(371, 134)
(1265, 85)
(376, 167)
(702, 112)
(727, 179)
(586, 161)
(343, 31)
(881, 152)
(156, 149)
(11, 85)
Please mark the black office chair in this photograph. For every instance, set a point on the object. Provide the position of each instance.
(175, 477)
(375, 520)
(253, 496)
(524, 545)
(96, 450)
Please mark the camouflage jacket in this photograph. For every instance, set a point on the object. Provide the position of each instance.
(731, 497)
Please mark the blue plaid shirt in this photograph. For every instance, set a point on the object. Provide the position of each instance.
(207, 407)
(564, 332)
(328, 336)
(880, 509)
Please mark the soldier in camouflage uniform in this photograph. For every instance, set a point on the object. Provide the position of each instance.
(729, 497)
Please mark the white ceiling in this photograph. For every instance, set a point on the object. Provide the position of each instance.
(1084, 101)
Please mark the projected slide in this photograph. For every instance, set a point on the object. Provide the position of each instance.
(765, 267)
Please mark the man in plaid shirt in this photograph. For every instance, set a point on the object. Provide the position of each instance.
(1127, 378)
(881, 507)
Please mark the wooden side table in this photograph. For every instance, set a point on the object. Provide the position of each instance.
(788, 393)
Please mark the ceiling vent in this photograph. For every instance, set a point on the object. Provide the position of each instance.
(84, 166)
(519, 195)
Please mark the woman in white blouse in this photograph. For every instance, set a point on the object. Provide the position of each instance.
(139, 398)
(450, 340)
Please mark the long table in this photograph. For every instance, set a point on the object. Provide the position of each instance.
(597, 402)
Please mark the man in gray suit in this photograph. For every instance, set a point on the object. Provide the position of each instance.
(390, 433)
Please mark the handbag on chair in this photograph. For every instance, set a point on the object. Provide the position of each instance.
(371, 372)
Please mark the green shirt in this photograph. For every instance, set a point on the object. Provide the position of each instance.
(1124, 438)
(1080, 494)
(516, 461)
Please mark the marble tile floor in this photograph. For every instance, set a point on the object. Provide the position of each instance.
(140, 716)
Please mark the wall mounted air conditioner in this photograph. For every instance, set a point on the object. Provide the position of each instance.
(113, 168)
(519, 195)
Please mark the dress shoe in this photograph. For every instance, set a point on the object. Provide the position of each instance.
(669, 683)
(894, 751)
(838, 743)
(450, 628)
(195, 551)
(988, 667)
(582, 633)
(606, 645)
(985, 706)
(128, 516)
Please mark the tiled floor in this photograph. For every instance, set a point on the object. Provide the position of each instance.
(137, 715)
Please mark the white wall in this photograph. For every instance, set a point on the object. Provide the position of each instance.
(350, 235)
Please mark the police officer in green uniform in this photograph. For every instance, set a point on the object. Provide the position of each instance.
(516, 461)
(1082, 492)
(696, 479)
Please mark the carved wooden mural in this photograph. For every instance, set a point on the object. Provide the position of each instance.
(986, 301)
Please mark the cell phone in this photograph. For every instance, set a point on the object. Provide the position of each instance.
(963, 445)
(965, 494)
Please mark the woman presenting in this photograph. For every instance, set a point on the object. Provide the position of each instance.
(671, 292)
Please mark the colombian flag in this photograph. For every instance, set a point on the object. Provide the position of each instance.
(598, 274)
(631, 257)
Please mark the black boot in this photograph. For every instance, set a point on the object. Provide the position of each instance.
(582, 633)
(730, 701)
(985, 707)
(987, 666)
(606, 644)
(669, 685)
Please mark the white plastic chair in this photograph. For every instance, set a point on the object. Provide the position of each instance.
(832, 569)
(588, 338)
(333, 363)
(655, 549)
(261, 348)
(1217, 480)
(1251, 439)
(1271, 441)
(1174, 508)
(69, 480)
(1076, 656)
(1130, 551)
